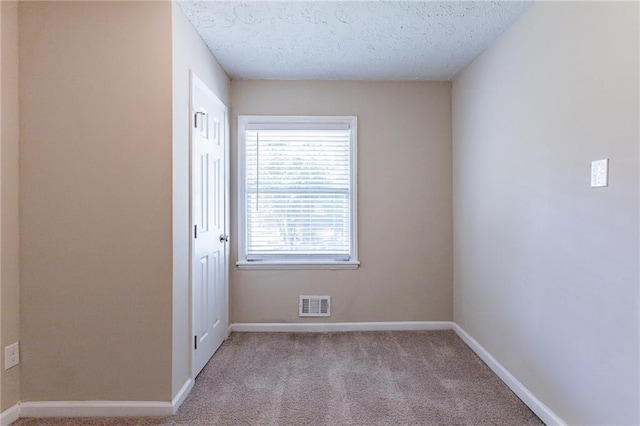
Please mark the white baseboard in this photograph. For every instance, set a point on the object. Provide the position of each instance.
(541, 410)
(96, 409)
(161, 409)
(10, 415)
(181, 395)
(326, 327)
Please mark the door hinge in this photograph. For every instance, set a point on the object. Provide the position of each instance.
(195, 342)
(195, 118)
(195, 231)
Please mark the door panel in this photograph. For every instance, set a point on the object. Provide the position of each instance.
(208, 199)
(204, 192)
(201, 329)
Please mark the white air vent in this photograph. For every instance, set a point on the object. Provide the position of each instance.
(314, 306)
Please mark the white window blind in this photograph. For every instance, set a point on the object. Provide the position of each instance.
(298, 189)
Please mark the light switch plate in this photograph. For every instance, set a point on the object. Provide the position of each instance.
(600, 173)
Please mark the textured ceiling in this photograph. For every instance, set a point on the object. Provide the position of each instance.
(349, 40)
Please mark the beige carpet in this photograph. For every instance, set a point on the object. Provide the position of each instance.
(361, 378)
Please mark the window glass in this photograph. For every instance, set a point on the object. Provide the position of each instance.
(298, 189)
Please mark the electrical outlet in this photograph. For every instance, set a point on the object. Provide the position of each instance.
(11, 355)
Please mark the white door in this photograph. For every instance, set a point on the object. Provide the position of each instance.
(209, 199)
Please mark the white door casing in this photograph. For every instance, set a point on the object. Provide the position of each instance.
(209, 201)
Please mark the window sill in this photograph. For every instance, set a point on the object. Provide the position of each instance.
(298, 265)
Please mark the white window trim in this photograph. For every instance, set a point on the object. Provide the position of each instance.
(245, 121)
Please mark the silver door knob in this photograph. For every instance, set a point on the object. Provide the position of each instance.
(224, 238)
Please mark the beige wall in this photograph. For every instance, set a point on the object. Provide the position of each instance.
(96, 200)
(189, 53)
(404, 204)
(9, 247)
(546, 268)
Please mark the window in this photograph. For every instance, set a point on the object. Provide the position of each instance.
(297, 192)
